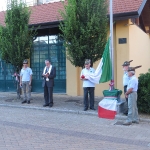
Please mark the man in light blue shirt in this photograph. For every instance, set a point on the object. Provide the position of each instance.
(25, 81)
(126, 65)
(88, 86)
(131, 94)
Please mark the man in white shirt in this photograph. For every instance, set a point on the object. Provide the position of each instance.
(131, 94)
(25, 81)
(88, 86)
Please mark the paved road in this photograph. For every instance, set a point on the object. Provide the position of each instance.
(31, 129)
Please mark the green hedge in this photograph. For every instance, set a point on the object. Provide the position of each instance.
(144, 93)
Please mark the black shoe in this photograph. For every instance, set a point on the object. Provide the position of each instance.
(127, 123)
(45, 105)
(51, 105)
(85, 109)
(93, 108)
(126, 114)
(28, 102)
(24, 101)
(137, 122)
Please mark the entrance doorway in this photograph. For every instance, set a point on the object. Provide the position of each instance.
(48, 47)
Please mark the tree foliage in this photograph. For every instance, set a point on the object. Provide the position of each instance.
(15, 37)
(144, 93)
(84, 30)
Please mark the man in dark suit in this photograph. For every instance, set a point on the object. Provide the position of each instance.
(49, 73)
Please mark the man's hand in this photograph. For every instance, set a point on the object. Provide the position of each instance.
(126, 95)
(128, 92)
(46, 75)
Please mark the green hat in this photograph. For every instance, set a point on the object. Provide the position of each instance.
(25, 61)
(127, 63)
(133, 68)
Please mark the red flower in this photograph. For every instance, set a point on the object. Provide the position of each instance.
(82, 76)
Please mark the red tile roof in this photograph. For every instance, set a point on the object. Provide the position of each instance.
(49, 12)
(124, 6)
(46, 13)
(2, 18)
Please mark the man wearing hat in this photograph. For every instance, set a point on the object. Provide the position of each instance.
(126, 65)
(88, 86)
(131, 94)
(25, 81)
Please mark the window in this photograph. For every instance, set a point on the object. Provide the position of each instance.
(47, 1)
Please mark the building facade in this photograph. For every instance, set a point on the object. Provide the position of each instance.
(131, 42)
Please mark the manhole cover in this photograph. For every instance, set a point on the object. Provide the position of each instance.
(119, 123)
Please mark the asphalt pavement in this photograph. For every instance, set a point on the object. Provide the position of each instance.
(65, 126)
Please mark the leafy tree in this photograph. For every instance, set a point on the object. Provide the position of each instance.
(143, 101)
(84, 30)
(15, 37)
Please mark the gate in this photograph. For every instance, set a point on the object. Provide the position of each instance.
(48, 47)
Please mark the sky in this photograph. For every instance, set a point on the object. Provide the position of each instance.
(3, 4)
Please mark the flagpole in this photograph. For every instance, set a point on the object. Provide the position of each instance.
(111, 39)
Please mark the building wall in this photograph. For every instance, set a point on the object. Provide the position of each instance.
(139, 49)
(122, 50)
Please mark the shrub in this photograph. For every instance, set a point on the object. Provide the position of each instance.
(144, 93)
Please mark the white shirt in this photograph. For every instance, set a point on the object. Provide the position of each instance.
(133, 83)
(26, 73)
(125, 78)
(87, 83)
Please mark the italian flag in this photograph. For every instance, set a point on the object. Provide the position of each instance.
(107, 108)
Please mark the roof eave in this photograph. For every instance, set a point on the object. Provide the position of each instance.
(141, 7)
(45, 25)
(126, 15)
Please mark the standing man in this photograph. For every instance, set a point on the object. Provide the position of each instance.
(131, 94)
(126, 65)
(25, 81)
(88, 86)
(49, 73)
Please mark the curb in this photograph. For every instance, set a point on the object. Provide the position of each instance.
(52, 109)
(69, 111)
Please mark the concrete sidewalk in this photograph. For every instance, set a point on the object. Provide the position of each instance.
(62, 103)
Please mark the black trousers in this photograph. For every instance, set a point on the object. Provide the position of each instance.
(126, 103)
(48, 95)
(125, 90)
(90, 91)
